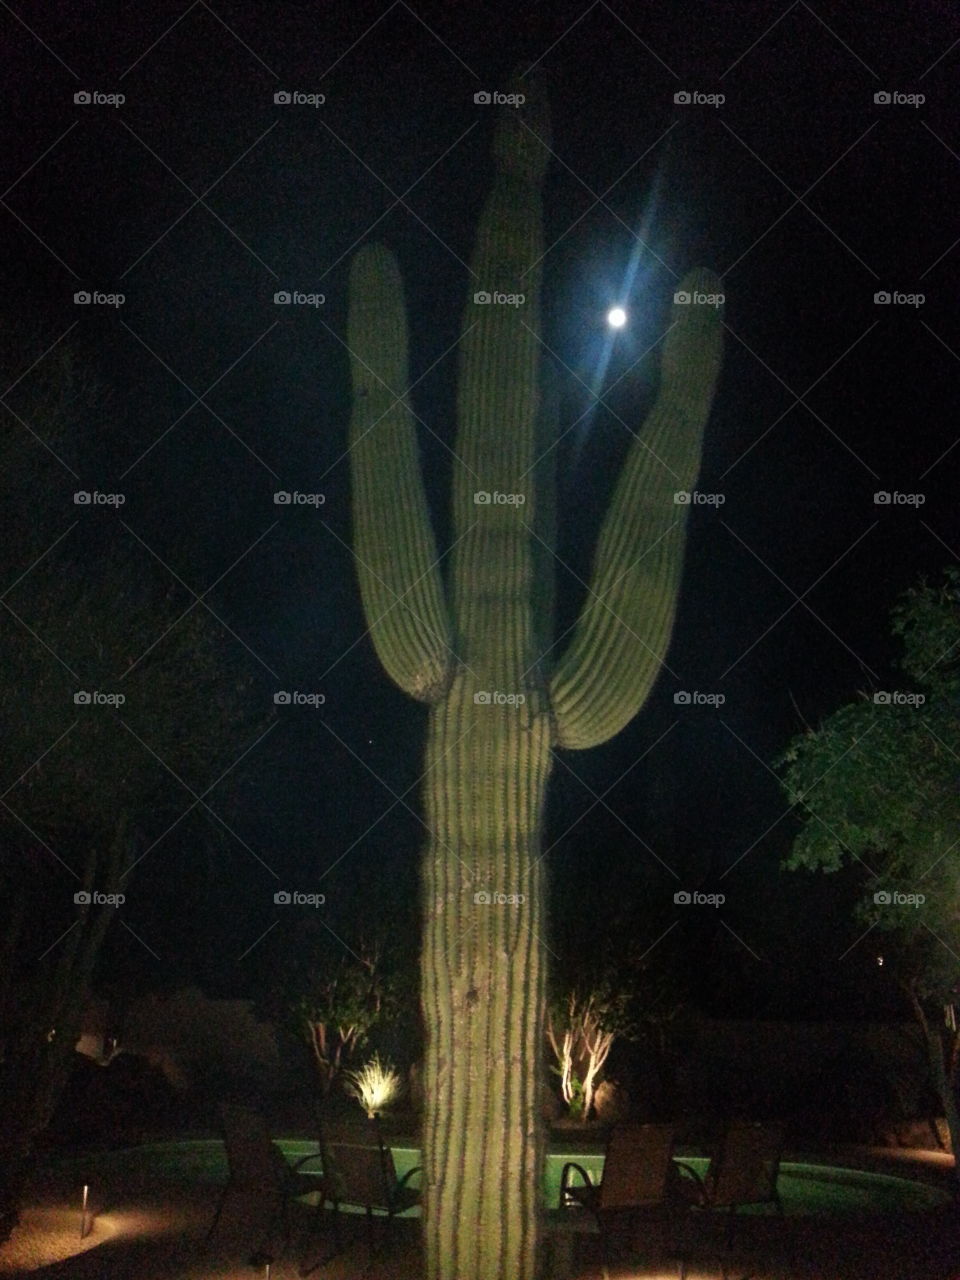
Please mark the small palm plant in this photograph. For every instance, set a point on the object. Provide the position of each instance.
(375, 1085)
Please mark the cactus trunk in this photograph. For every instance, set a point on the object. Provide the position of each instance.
(482, 983)
(478, 650)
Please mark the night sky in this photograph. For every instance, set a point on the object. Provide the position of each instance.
(199, 197)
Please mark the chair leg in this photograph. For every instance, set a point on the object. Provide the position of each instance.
(711, 1241)
(604, 1246)
(789, 1239)
(731, 1240)
(216, 1217)
(278, 1214)
(315, 1218)
(377, 1235)
(284, 1216)
(681, 1243)
(312, 1233)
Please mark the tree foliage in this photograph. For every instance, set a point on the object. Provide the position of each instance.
(878, 783)
(338, 998)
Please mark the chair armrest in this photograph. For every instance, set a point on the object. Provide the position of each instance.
(317, 1155)
(690, 1172)
(565, 1181)
(402, 1182)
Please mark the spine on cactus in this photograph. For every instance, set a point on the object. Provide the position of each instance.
(478, 656)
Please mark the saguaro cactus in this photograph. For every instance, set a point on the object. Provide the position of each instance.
(477, 649)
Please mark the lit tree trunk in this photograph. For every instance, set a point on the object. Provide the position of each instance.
(943, 1074)
(598, 1044)
(563, 1049)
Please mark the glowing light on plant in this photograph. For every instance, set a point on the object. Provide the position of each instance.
(375, 1085)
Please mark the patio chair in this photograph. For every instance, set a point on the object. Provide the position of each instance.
(742, 1172)
(639, 1183)
(359, 1171)
(261, 1182)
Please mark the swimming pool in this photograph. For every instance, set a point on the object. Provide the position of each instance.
(805, 1189)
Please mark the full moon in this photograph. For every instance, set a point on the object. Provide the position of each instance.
(616, 317)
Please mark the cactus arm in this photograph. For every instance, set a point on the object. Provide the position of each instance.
(392, 535)
(623, 632)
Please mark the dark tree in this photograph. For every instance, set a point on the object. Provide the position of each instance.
(114, 696)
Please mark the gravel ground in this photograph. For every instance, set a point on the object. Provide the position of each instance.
(48, 1235)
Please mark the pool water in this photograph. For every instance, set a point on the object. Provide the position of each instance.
(804, 1188)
